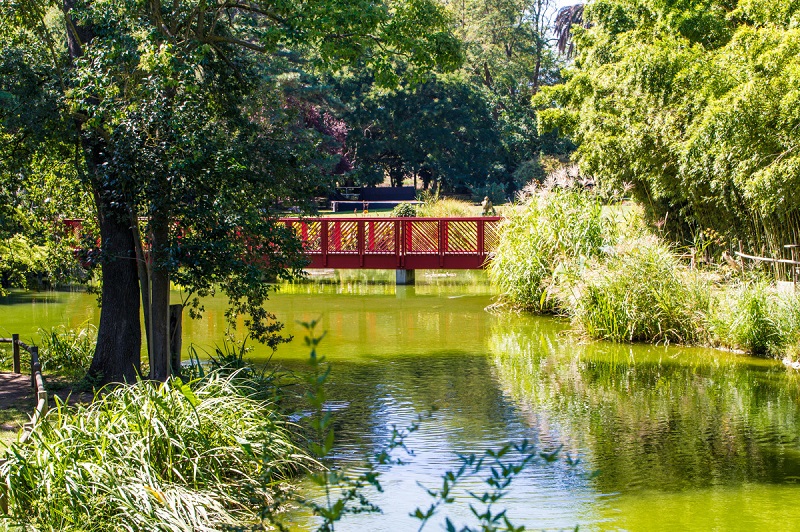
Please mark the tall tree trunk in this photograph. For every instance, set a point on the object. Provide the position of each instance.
(159, 299)
(117, 356)
(144, 275)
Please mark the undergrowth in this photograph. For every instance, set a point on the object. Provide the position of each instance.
(616, 281)
(147, 456)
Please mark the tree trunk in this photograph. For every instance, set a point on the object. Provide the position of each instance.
(175, 338)
(144, 275)
(117, 356)
(159, 300)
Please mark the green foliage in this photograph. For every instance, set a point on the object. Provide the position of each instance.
(694, 105)
(66, 351)
(751, 316)
(494, 191)
(641, 293)
(404, 210)
(550, 236)
(259, 381)
(172, 456)
(440, 132)
(445, 208)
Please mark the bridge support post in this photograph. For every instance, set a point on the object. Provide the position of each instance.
(404, 277)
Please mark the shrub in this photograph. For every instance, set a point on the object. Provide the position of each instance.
(150, 457)
(642, 293)
(67, 351)
(404, 210)
(548, 237)
(752, 317)
(445, 208)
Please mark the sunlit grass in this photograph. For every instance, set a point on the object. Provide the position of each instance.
(151, 457)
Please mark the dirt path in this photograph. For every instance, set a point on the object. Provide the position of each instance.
(16, 401)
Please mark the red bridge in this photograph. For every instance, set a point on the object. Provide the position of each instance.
(398, 243)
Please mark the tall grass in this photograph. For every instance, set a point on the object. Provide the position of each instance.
(641, 293)
(151, 457)
(67, 351)
(548, 238)
(752, 316)
(445, 208)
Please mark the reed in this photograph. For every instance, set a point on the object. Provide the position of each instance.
(752, 316)
(171, 456)
(641, 293)
(544, 242)
(67, 351)
(445, 208)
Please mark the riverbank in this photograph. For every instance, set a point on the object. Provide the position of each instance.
(563, 252)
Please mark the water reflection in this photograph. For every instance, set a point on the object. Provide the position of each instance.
(686, 430)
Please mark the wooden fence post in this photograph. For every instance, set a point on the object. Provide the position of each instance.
(15, 348)
(35, 366)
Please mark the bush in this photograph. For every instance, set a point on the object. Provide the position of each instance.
(445, 208)
(150, 457)
(642, 293)
(547, 238)
(404, 210)
(67, 351)
(752, 317)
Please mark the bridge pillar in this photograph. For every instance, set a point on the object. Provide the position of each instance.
(404, 277)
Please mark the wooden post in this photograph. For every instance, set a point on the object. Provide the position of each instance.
(360, 241)
(175, 337)
(442, 227)
(35, 366)
(481, 240)
(15, 344)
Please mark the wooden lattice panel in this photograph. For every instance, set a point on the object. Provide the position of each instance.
(461, 237)
(343, 236)
(491, 236)
(380, 236)
(422, 236)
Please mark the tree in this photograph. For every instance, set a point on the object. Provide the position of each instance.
(440, 131)
(474, 131)
(179, 121)
(694, 105)
(39, 184)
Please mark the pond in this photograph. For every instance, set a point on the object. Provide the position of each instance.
(668, 438)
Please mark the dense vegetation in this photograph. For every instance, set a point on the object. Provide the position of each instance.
(563, 251)
(694, 105)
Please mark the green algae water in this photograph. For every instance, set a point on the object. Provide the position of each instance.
(668, 438)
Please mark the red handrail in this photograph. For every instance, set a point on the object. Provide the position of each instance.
(397, 243)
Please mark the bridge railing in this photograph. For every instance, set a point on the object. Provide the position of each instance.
(397, 243)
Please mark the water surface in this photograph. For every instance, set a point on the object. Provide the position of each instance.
(669, 438)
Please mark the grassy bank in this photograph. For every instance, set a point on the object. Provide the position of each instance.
(171, 456)
(564, 252)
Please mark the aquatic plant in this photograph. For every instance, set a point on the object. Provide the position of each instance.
(547, 238)
(436, 207)
(67, 351)
(750, 315)
(170, 456)
(641, 293)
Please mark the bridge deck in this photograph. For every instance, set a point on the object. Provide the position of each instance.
(398, 243)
